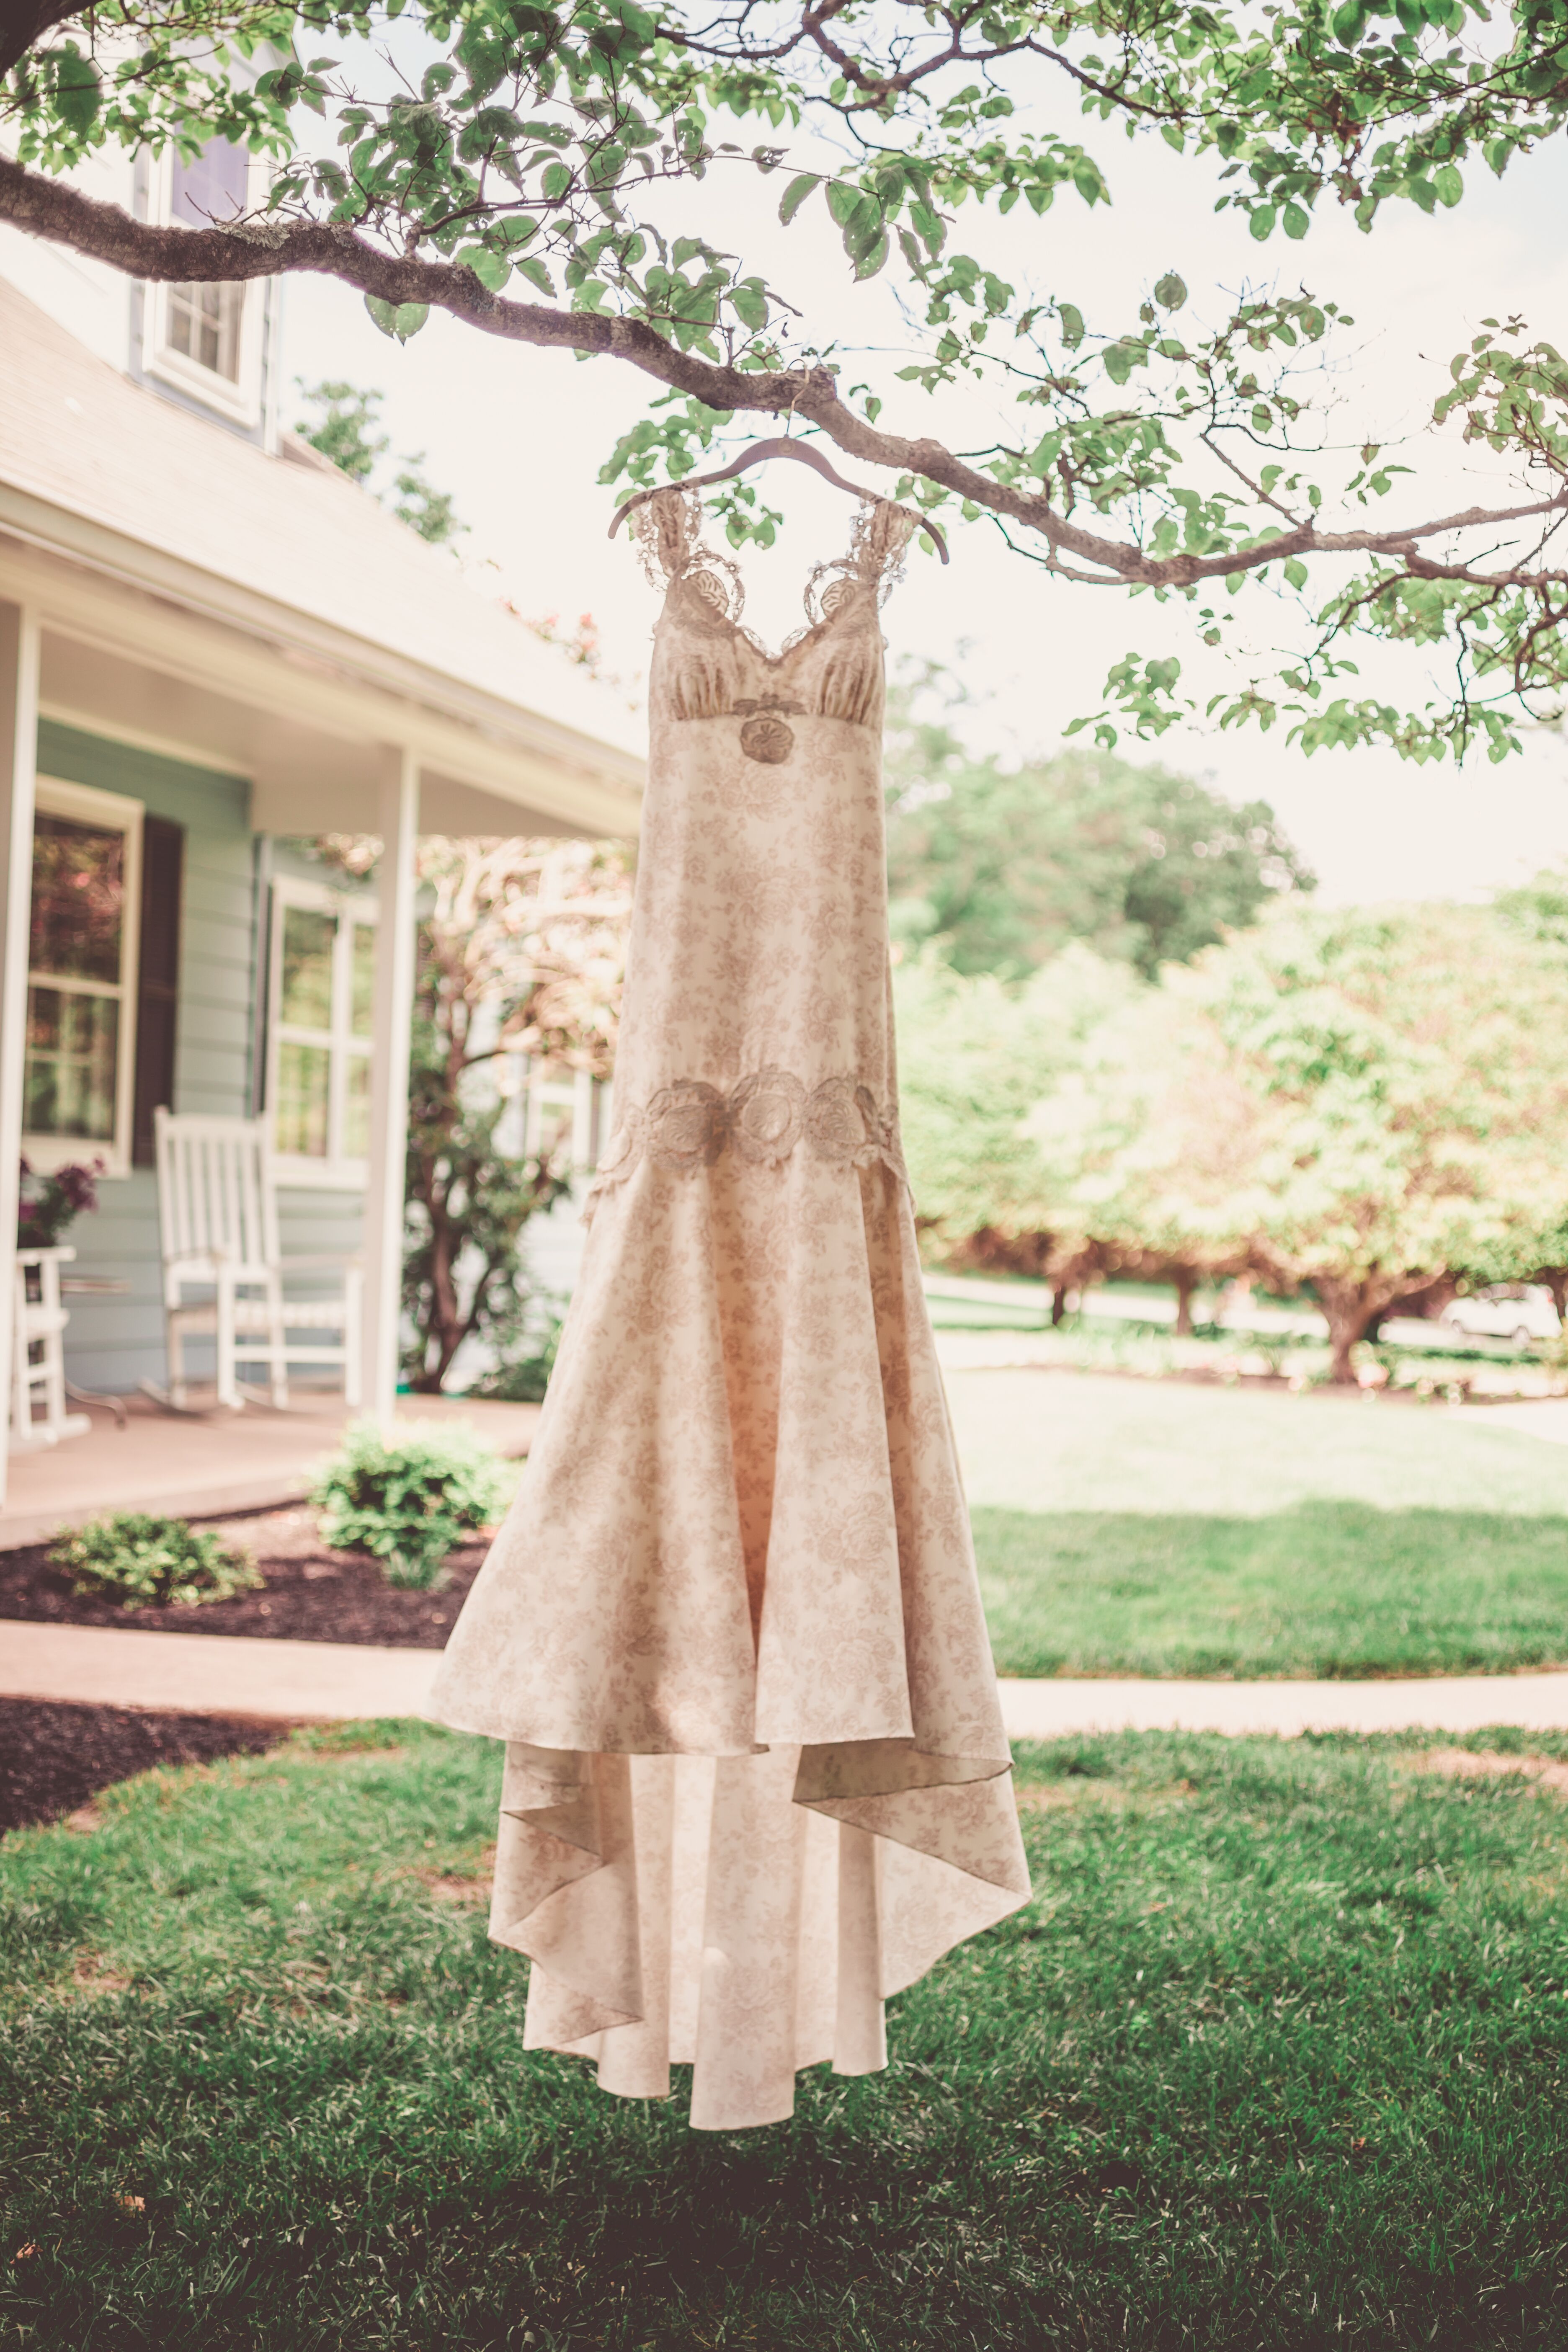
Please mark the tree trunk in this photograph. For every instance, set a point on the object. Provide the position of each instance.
(446, 1324)
(1185, 1285)
(1351, 1310)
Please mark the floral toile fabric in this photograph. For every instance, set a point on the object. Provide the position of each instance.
(756, 1776)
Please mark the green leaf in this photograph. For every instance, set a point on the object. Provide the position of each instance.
(1117, 361)
(1295, 572)
(78, 89)
(849, 205)
(1171, 291)
(399, 320)
(488, 268)
(1261, 223)
(795, 194)
(750, 304)
(1294, 220)
(868, 262)
(1071, 318)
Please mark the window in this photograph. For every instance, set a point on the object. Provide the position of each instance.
(204, 326)
(324, 977)
(77, 1079)
(200, 331)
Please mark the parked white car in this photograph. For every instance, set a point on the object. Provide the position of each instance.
(1520, 1311)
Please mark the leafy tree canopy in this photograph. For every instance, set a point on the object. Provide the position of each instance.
(974, 1058)
(1365, 1100)
(508, 160)
(1005, 866)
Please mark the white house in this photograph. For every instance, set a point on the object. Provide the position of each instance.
(211, 644)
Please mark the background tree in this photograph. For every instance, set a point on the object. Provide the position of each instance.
(974, 1058)
(1360, 1101)
(344, 425)
(1007, 865)
(522, 951)
(519, 166)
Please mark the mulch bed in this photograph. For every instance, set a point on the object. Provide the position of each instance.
(55, 1758)
(309, 1593)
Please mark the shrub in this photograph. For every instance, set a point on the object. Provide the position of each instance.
(524, 1378)
(135, 1560)
(411, 1498)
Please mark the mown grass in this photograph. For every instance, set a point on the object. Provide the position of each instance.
(1057, 1441)
(1276, 2058)
(1326, 1588)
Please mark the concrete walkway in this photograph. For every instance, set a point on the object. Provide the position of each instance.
(220, 1674)
(212, 1674)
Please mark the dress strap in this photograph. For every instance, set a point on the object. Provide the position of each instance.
(880, 541)
(668, 529)
(874, 564)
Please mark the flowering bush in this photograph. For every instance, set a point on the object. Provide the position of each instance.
(47, 1204)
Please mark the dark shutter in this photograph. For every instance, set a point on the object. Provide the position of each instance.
(158, 982)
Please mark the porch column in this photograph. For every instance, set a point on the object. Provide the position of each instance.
(19, 638)
(394, 1011)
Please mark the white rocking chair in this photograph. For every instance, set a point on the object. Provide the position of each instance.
(218, 1216)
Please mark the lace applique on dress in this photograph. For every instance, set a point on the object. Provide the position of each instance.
(668, 529)
(878, 546)
(688, 1125)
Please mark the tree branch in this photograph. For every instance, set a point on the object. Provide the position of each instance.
(24, 23)
(268, 249)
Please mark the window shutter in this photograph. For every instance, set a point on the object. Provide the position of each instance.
(158, 982)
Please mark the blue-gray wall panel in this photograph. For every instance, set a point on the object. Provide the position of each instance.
(113, 1343)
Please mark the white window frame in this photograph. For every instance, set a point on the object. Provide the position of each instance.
(336, 1170)
(240, 401)
(116, 812)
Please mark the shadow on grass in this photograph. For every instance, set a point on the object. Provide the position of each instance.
(1274, 2062)
(1324, 1588)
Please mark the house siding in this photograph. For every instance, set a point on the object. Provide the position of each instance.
(114, 1342)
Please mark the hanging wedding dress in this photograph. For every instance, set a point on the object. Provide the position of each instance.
(756, 1778)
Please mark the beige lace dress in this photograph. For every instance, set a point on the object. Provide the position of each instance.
(756, 1778)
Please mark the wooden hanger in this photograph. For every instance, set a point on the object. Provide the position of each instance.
(780, 446)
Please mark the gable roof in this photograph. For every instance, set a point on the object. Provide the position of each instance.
(287, 548)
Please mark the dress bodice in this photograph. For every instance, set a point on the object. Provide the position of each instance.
(757, 1014)
(708, 665)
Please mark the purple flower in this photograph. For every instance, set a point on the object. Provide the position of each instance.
(47, 1204)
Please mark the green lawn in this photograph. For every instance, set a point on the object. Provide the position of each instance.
(1276, 2059)
(1125, 1528)
(1323, 1589)
(1047, 1441)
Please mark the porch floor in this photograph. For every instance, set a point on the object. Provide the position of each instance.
(209, 1464)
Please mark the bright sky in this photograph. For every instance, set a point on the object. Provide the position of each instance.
(518, 437)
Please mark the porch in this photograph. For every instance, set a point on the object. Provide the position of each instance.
(209, 649)
(206, 1466)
